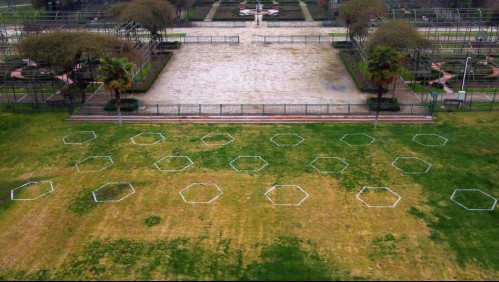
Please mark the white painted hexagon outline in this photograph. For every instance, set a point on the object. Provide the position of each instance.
(368, 136)
(161, 138)
(79, 143)
(95, 157)
(174, 170)
(265, 163)
(277, 186)
(27, 184)
(377, 187)
(325, 171)
(113, 201)
(474, 190)
(203, 184)
(287, 145)
(411, 172)
(430, 145)
(217, 144)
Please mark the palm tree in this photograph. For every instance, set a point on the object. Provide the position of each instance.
(384, 64)
(116, 74)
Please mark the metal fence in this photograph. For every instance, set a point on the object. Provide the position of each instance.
(205, 39)
(251, 109)
(303, 24)
(215, 24)
(423, 109)
(306, 39)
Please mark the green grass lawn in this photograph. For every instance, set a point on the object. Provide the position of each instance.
(240, 235)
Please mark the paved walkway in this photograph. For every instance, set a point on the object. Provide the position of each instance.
(306, 12)
(212, 11)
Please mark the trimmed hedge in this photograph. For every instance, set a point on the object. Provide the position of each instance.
(387, 104)
(355, 74)
(342, 44)
(127, 105)
(159, 64)
(169, 45)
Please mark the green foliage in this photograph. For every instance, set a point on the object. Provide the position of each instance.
(159, 64)
(357, 14)
(152, 220)
(398, 34)
(150, 14)
(127, 105)
(387, 104)
(384, 64)
(64, 48)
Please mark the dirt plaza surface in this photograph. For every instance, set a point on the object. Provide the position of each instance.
(253, 73)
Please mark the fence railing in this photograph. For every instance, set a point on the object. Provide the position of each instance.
(422, 109)
(303, 24)
(307, 39)
(234, 39)
(252, 109)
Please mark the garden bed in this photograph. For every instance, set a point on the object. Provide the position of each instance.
(386, 105)
(159, 62)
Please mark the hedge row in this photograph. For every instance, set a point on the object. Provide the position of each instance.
(354, 73)
(126, 105)
(387, 104)
(159, 64)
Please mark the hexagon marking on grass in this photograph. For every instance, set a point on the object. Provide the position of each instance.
(108, 159)
(214, 189)
(436, 140)
(260, 163)
(159, 137)
(493, 201)
(295, 139)
(13, 191)
(366, 188)
(316, 164)
(128, 185)
(368, 140)
(224, 136)
(179, 167)
(297, 188)
(414, 160)
(86, 135)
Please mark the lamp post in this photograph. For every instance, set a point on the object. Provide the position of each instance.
(257, 12)
(464, 75)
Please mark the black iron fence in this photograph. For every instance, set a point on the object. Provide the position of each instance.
(422, 109)
(307, 39)
(251, 109)
(234, 39)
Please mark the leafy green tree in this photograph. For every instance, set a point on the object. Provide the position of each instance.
(152, 15)
(116, 75)
(65, 49)
(384, 65)
(358, 14)
(398, 34)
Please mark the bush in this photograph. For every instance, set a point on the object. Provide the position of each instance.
(127, 105)
(169, 45)
(342, 44)
(387, 104)
(437, 85)
(152, 220)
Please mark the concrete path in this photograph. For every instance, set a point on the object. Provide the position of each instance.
(212, 11)
(306, 12)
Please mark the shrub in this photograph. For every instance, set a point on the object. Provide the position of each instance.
(152, 220)
(342, 44)
(437, 85)
(387, 104)
(127, 105)
(169, 45)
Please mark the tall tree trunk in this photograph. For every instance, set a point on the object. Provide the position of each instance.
(117, 97)
(380, 93)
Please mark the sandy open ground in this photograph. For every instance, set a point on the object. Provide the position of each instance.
(254, 72)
